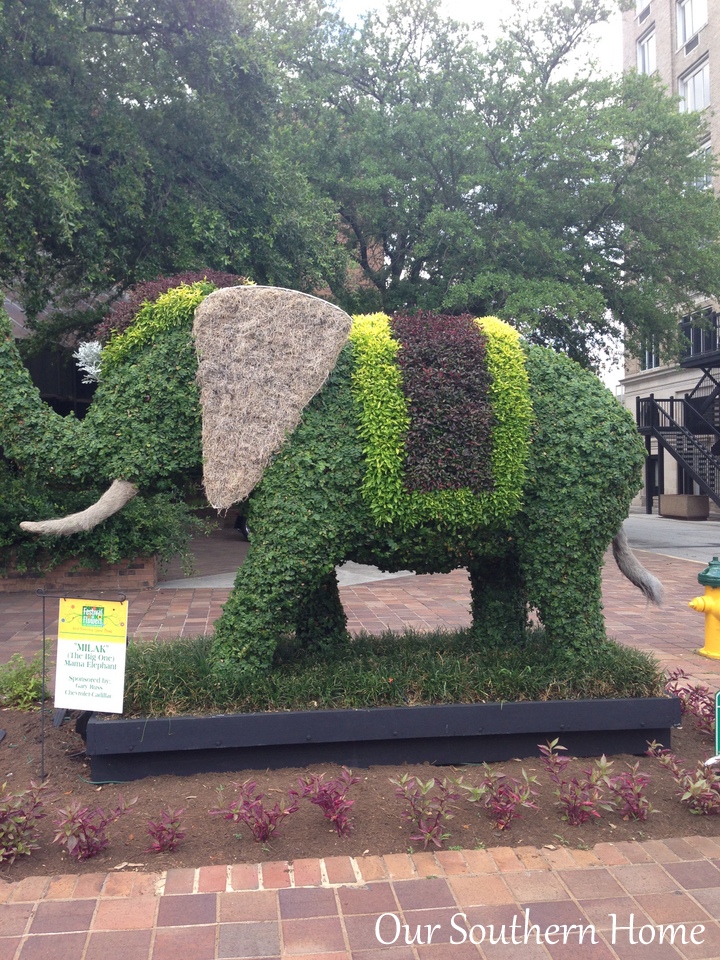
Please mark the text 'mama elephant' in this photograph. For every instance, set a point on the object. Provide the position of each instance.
(418, 443)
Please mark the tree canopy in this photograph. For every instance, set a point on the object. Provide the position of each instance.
(492, 179)
(139, 139)
(270, 138)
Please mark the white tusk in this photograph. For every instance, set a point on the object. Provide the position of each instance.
(114, 499)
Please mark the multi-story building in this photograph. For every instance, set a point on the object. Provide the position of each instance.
(677, 406)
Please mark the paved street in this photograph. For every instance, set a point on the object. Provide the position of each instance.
(685, 539)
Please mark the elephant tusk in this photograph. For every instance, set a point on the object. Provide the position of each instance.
(114, 499)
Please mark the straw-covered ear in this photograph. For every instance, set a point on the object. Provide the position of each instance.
(263, 354)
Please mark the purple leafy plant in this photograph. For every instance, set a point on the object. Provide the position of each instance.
(19, 813)
(82, 830)
(582, 796)
(503, 796)
(629, 789)
(699, 790)
(331, 797)
(248, 808)
(696, 700)
(554, 762)
(429, 807)
(165, 832)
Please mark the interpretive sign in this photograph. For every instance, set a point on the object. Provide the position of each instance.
(92, 635)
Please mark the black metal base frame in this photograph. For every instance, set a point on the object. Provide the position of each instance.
(121, 750)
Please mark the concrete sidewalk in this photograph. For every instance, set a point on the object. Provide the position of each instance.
(623, 895)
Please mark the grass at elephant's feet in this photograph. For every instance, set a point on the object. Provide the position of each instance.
(176, 676)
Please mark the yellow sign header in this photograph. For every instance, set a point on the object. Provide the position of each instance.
(93, 620)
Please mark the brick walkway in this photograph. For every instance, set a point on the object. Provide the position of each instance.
(525, 900)
(329, 909)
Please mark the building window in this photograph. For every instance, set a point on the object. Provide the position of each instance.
(704, 182)
(694, 89)
(700, 330)
(640, 5)
(646, 53)
(691, 15)
(649, 359)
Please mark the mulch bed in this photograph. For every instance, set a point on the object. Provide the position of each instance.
(378, 826)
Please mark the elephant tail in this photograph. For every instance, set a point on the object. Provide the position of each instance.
(636, 573)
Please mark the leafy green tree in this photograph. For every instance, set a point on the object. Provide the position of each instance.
(494, 179)
(138, 139)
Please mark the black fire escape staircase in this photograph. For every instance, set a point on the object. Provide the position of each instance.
(689, 429)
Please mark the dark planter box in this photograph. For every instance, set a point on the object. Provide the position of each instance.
(121, 750)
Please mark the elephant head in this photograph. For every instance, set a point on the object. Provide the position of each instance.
(262, 354)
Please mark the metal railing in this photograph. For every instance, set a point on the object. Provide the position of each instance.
(689, 436)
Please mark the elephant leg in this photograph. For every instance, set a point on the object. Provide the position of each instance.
(273, 595)
(306, 516)
(321, 620)
(499, 604)
(573, 616)
(566, 590)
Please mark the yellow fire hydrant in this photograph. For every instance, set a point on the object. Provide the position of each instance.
(710, 606)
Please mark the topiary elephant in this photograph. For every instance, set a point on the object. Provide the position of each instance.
(421, 442)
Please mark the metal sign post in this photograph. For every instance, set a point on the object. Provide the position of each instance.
(88, 619)
(716, 759)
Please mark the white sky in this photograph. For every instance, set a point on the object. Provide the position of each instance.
(606, 49)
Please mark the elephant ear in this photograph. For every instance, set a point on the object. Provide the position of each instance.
(263, 354)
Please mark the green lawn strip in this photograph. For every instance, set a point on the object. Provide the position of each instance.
(171, 677)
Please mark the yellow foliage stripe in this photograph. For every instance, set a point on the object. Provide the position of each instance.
(384, 418)
(170, 310)
(384, 422)
(510, 399)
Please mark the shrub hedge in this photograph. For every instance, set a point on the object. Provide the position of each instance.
(446, 383)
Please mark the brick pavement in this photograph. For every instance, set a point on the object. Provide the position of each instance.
(629, 899)
(553, 903)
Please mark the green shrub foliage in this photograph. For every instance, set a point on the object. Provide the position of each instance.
(123, 312)
(446, 383)
(31, 434)
(307, 510)
(157, 523)
(144, 422)
(585, 469)
(173, 310)
(143, 426)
